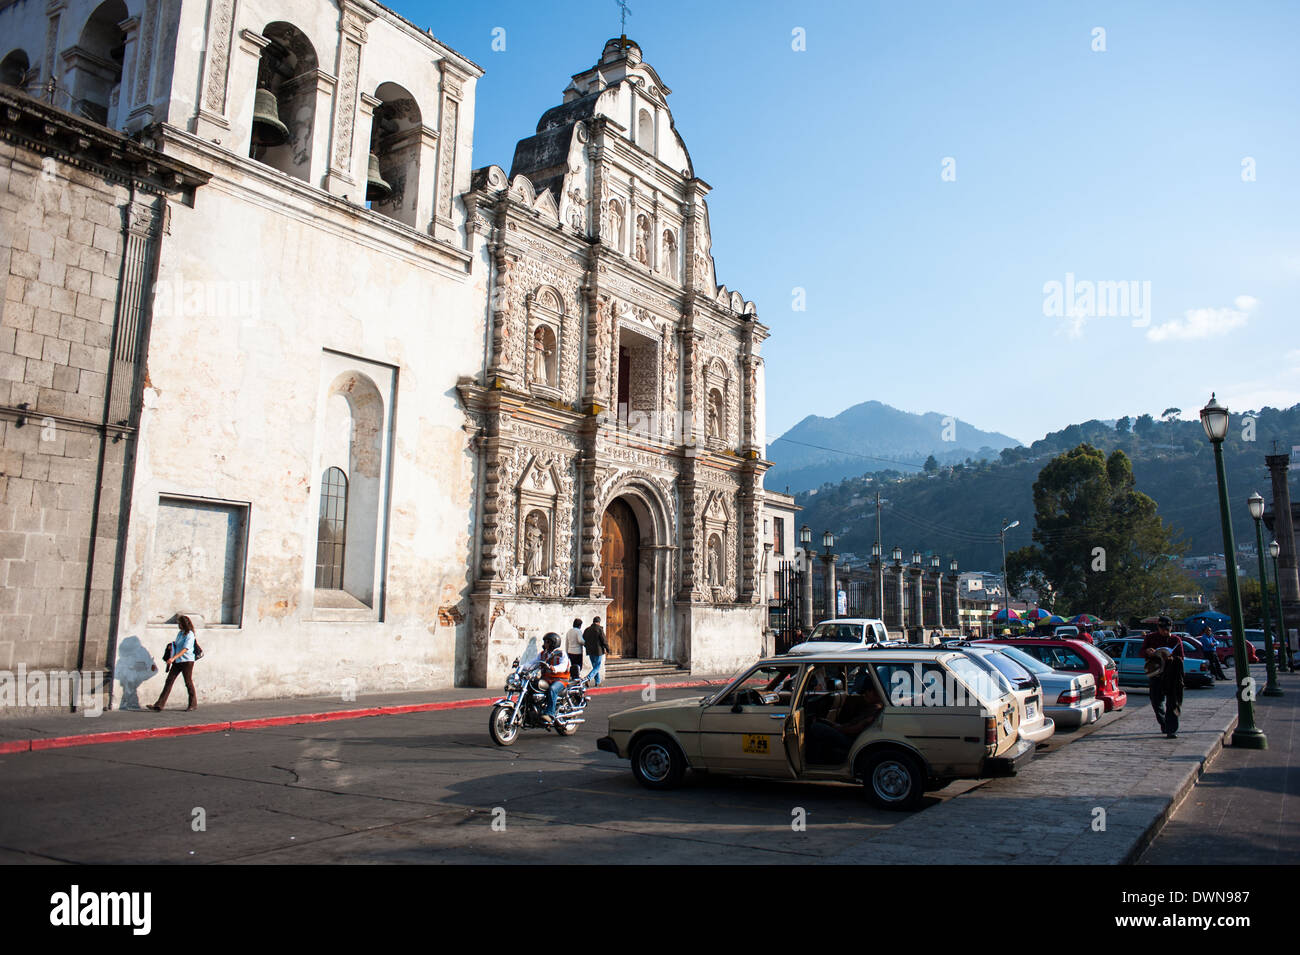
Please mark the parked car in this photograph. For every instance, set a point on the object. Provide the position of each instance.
(1075, 656)
(899, 720)
(845, 633)
(1035, 725)
(1066, 631)
(1255, 638)
(1075, 694)
(1127, 653)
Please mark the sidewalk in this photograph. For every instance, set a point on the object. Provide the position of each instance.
(1125, 777)
(57, 728)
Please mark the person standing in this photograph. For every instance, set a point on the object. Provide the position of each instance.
(1164, 668)
(573, 647)
(181, 661)
(593, 638)
(1211, 648)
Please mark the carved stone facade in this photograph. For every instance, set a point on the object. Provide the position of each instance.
(617, 372)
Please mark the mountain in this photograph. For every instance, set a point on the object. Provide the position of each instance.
(958, 511)
(873, 437)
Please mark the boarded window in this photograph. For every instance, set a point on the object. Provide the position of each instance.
(199, 552)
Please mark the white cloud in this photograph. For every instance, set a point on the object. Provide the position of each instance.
(1205, 322)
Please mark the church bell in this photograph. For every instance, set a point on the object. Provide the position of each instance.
(267, 128)
(376, 189)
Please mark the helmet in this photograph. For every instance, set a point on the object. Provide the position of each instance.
(551, 641)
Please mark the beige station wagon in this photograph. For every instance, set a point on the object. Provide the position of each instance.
(902, 721)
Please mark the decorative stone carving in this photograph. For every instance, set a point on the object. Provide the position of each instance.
(643, 240)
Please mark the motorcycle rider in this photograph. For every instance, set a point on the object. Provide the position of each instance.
(555, 668)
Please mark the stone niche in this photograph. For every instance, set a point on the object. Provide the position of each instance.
(718, 534)
(536, 497)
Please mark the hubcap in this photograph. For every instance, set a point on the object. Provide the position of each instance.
(504, 727)
(891, 781)
(655, 761)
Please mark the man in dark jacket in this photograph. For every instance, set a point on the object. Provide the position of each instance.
(593, 639)
(1164, 669)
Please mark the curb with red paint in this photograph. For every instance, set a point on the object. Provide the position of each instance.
(195, 729)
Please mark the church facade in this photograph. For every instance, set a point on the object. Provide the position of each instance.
(274, 356)
(619, 420)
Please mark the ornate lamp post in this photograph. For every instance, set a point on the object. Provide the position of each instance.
(1006, 591)
(1274, 548)
(1214, 418)
(806, 582)
(832, 594)
(1256, 504)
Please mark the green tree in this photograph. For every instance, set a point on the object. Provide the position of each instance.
(1169, 414)
(931, 465)
(1098, 541)
(1248, 587)
(1124, 425)
(1144, 426)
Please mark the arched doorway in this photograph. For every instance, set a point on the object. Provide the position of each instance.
(620, 561)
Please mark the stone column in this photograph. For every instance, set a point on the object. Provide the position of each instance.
(749, 530)
(139, 112)
(340, 179)
(689, 525)
(118, 112)
(453, 85)
(918, 600)
(211, 120)
(806, 596)
(899, 573)
(832, 590)
(1283, 528)
(49, 71)
(234, 127)
(938, 599)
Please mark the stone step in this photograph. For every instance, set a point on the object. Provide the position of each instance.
(626, 668)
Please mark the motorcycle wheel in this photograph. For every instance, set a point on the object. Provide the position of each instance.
(500, 725)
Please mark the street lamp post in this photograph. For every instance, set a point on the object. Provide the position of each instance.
(1256, 504)
(1214, 418)
(1274, 549)
(1006, 591)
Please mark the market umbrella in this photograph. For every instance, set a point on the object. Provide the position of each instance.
(1055, 618)
(1006, 613)
(1085, 618)
(1038, 614)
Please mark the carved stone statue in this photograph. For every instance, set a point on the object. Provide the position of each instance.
(539, 356)
(615, 236)
(670, 255)
(713, 418)
(715, 562)
(534, 547)
(643, 239)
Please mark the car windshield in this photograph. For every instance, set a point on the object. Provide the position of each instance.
(1033, 665)
(836, 633)
(717, 694)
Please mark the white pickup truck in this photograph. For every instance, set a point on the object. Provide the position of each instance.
(845, 633)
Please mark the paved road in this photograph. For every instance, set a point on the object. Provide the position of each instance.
(417, 788)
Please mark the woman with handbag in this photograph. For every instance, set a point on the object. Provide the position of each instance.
(180, 657)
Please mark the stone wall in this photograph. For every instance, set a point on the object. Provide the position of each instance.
(62, 232)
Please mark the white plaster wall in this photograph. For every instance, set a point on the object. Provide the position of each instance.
(724, 638)
(232, 411)
(519, 630)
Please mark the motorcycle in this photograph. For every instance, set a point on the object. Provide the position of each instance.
(527, 695)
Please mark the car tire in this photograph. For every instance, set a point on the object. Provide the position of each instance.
(894, 780)
(657, 763)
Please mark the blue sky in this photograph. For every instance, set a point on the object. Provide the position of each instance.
(1122, 165)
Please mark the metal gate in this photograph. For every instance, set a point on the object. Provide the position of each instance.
(785, 612)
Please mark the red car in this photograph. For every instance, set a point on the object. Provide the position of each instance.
(1224, 640)
(1073, 656)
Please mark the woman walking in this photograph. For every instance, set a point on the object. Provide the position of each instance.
(181, 661)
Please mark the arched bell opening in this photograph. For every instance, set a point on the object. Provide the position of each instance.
(94, 65)
(15, 70)
(284, 108)
(393, 167)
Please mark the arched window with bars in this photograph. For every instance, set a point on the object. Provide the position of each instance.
(331, 530)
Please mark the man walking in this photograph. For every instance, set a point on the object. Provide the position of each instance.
(593, 638)
(1164, 668)
(573, 647)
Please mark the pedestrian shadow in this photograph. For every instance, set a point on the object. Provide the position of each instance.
(134, 665)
